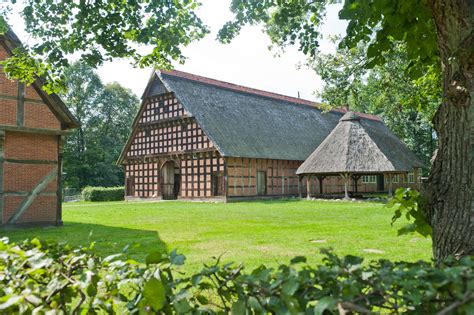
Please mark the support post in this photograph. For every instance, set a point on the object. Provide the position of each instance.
(321, 178)
(59, 191)
(300, 186)
(346, 177)
(2, 157)
(355, 179)
(390, 193)
(308, 187)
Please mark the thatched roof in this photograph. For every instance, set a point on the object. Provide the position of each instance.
(357, 146)
(245, 122)
(250, 123)
(9, 41)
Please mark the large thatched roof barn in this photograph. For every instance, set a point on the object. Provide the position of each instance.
(355, 148)
(196, 137)
(32, 126)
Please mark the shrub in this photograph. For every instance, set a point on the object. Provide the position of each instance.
(103, 193)
(46, 277)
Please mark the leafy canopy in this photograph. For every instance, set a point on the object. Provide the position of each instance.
(377, 23)
(150, 33)
(407, 106)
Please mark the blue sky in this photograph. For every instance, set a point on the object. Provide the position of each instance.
(246, 61)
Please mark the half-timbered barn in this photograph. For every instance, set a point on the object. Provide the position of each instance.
(32, 126)
(199, 138)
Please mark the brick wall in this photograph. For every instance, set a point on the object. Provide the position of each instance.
(27, 159)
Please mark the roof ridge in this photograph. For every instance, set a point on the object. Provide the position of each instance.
(245, 89)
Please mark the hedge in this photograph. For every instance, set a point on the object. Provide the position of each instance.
(47, 277)
(103, 193)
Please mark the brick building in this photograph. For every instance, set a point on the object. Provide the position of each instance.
(32, 126)
(199, 138)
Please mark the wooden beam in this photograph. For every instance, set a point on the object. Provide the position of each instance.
(300, 186)
(355, 179)
(17, 161)
(41, 131)
(20, 105)
(321, 178)
(308, 187)
(27, 100)
(32, 196)
(390, 193)
(59, 188)
(346, 177)
(2, 155)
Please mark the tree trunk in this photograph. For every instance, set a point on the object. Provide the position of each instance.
(450, 187)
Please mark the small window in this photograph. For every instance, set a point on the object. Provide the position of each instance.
(411, 178)
(396, 179)
(369, 179)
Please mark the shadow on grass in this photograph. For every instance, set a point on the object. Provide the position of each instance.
(107, 240)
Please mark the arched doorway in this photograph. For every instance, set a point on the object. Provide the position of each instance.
(170, 180)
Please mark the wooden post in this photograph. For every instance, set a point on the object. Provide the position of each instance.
(355, 179)
(390, 194)
(346, 177)
(2, 156)
(300, 186)
(308, 187)
(59, 184)
(321, 178)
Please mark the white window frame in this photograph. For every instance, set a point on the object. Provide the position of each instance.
(395, 178)
(411, 177)
(369, 179)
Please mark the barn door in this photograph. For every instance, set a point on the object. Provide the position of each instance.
(261, 183)
(168, 180)
(130, 186)
(380, 182)
(218, 184)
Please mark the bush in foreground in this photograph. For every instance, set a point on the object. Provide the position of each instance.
(103, 193)
(46, 277)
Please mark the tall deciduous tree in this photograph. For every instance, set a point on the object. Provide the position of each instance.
(406, 105)
(106, 114)
(433, 31)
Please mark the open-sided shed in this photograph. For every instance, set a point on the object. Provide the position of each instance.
(355, 148)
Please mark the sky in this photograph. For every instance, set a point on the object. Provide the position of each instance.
(246, 60)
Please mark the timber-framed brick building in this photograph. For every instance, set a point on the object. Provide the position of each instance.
(32, 126)
(199, 138)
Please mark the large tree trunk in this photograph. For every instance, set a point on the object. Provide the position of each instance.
(450, 187)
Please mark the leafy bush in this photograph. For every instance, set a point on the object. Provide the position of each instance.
(103, 193)
(406, 203)
(46, 277)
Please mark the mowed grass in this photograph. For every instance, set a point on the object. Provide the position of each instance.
(253, 233)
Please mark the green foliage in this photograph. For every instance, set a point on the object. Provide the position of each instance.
(407, 106)
(103, 193)
(106, 113)
(406, 203)
(379, 24)
(102, 31)
(42, 277)
(382, 23)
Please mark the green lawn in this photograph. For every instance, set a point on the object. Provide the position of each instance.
(257, 232)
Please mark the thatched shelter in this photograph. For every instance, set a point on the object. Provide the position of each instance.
(355, 148)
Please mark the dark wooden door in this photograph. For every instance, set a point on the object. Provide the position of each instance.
(168, 181)
(380, 182)
(218, 184)
(261, 183)
(130, 186)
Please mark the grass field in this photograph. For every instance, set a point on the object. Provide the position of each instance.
(269, 232)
